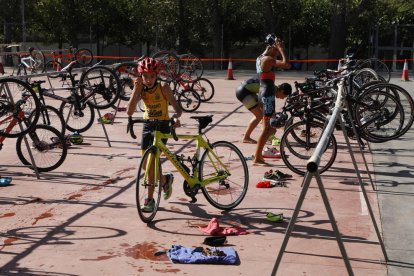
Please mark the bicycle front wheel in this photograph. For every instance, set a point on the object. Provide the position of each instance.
(101, 85)
(227, 193)
(48, 147)
(298, 144)
(148, 186)
(50, 116)
(189, 100)
(17, 102)
(204, 88)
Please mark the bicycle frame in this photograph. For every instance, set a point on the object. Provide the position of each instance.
(200, 143)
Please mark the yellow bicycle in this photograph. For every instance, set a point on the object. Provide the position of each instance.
(218, 169)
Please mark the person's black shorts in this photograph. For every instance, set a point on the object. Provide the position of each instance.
(148, 132)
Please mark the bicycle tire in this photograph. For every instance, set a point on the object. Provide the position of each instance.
(191, 67)
(52, 117)
(362, 77)
(295, 154)
(379, 116)
(189, 100)
(40, 61)
(126, 71)
(53, 68)
(404, 98)
(103, 84)
(170, 65)
(229, 193)
(49, 152)
(78, 120)
(142, 188)
(378, 66)
(204, 88)
(23, 102)
(84, 57)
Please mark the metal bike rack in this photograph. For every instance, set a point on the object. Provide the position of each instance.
(312, 171)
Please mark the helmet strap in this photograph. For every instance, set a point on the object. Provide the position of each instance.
(150, 88)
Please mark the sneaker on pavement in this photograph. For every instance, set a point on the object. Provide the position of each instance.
(167, 187)
(148, 206)
(271, 153)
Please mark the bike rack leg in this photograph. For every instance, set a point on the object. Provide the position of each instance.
(371, 213)
(103, 125)
(360, 147)
(116, 111)
(305, 184)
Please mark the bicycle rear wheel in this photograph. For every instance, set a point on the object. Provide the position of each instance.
(296, 151)
(189, 100)
(192, 67)
(403, 97)
(47, 145)
(379, 115)
(204, 88)
(102, 85)
(170, 65)
(77, 120)
(53, 68)
(39, 61)
(147, 188)
(126, 71)
(84, 57)
(378, 66)
(17, 102)
(227, 193)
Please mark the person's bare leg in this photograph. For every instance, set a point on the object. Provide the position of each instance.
(266, 132)
(257, 112)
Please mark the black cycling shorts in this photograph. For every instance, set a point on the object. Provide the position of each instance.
(148, 132)
(267, 97)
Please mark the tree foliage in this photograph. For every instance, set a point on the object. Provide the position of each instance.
(203, 27)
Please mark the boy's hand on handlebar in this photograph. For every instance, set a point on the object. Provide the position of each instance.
(177, 123)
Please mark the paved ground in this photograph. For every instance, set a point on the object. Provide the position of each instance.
(81, 219)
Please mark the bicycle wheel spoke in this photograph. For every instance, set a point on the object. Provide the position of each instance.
(229, 191)
(48, 148)
(300, 141)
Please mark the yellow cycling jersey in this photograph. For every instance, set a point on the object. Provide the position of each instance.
(155, 104)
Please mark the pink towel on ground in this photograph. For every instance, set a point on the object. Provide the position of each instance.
(214, 229)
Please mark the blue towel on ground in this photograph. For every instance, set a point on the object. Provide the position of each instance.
(188, 255)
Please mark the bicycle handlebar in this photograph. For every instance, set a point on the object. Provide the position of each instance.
(131, 122)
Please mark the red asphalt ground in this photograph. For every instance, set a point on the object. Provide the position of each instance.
(81, 219)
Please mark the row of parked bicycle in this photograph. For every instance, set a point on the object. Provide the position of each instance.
(183, 72)
(374, 111)
(26, 114)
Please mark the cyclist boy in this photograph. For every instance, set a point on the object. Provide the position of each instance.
(156, 98)
(265, 63)
(247, 94)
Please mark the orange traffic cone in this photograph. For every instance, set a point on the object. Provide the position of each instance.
(230, 71)
(404, 76)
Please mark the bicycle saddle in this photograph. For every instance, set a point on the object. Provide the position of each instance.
(203, 121)
(69, 67)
